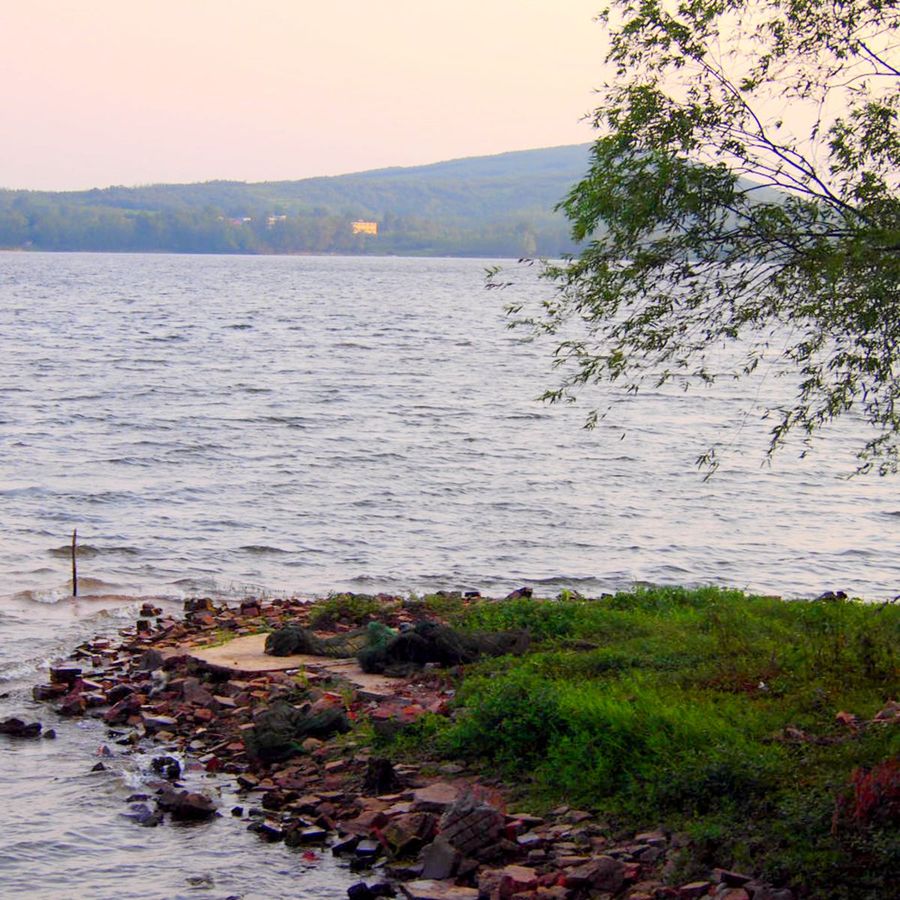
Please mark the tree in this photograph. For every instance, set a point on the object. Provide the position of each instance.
(743, 189)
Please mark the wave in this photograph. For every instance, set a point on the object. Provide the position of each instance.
(89, 551)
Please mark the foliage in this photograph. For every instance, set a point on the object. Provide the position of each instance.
(743, 193)
(487, 206)
(347, 608)
(708, 710)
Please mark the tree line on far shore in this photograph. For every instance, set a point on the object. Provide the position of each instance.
(485, 206)
(36, 225)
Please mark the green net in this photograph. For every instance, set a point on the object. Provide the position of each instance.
(380, 649)
(278, 731)
(292, 639)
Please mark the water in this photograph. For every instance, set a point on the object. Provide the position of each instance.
(297, 425)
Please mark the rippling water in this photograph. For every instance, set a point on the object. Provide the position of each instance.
(248, 424)
(316, 423)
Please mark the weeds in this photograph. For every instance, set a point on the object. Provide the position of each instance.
(710, 708)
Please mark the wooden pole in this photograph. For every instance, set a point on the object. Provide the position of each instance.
(74, 564)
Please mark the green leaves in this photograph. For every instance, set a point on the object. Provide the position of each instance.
(744, 183)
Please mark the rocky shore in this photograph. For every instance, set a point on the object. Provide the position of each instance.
(428, 831)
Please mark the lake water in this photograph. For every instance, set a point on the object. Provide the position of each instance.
(246, 425)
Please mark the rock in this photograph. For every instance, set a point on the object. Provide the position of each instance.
(119, 692)
(268, 830)
(733, 879)
(151, 661)
(186, 806)
(516, 879)
(345, 845)
(406, 834)
(363, 891)
(381, 777)
(72, 705)
(469, 825)
(123, 710)
(160, 723)
(41, 692)
(522, 593)
(166, 767)
(694, 889)
(435, 797)
(530, 841)
(652, 838)
(603, 873)
(17, 728)
(143, 815)
(310, 834)
(194, 693)
(440, 859)
(437, 890)
(368, 849)
(64, 674)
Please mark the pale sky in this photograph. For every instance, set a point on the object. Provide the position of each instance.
(100, 92)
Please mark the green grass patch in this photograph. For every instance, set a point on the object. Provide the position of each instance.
(709, 710)
(348, 609)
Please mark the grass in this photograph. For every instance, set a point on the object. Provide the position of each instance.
(347, 609)
(709, 710)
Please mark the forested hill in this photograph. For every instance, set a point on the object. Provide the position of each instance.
(482, 206)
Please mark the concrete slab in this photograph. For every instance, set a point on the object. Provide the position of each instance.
(247, 656)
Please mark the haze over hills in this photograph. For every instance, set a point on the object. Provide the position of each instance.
(481, 206)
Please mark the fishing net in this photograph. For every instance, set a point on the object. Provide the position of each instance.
(380, 649)
(293, 639)
(429, 642)
(278, 731)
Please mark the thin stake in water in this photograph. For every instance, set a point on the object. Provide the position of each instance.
(74, 564)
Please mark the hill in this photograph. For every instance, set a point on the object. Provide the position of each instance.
(498, 205)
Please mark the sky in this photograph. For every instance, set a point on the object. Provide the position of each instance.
(102, 92)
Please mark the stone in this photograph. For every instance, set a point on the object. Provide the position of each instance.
(435, 797)
(41, 692)
(424, 889)
(186, 806)
(166, 767)
(17, 728)
(530, 840)
(197, 695)
(603, 873)
(733, 879)
(694, 889)
(363, 891)
(406, 834)
(652, 838)
(268, 830)
(72, 705)
(381, 777)
(368, 849)
(440, 859)
(345, 845)
(64, 674)
(122, 711)
(118, 692)
(516, 879)
(160, 723)
(469, 825)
